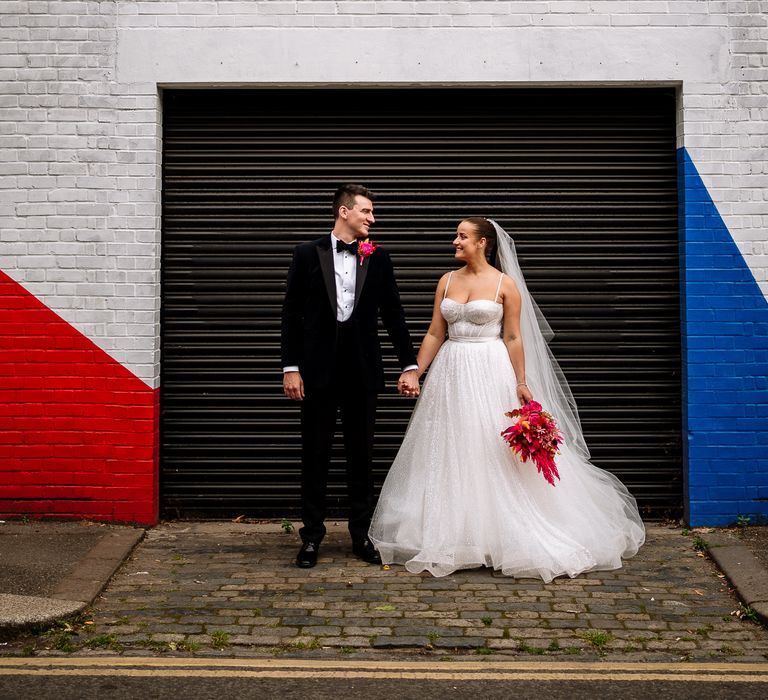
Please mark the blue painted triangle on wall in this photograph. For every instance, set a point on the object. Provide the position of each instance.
(725, 363)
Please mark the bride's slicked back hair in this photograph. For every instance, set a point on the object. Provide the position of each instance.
(485, 229)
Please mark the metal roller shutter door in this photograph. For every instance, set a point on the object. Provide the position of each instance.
(585, 180)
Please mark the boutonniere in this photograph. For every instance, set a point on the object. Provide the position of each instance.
(365, 249)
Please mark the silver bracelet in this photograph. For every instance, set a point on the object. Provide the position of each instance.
(521, 384)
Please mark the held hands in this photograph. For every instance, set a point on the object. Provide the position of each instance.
(408, 384)
(293, 385)
(524, 394)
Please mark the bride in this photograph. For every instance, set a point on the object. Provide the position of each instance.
(456, 496)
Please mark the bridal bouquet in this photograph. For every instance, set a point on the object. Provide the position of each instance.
(535, 435)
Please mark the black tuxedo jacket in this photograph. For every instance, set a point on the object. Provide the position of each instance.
(309, 317)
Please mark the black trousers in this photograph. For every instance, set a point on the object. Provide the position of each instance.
(348, 398)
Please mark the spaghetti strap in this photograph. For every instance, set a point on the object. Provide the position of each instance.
(498, 287)
(445, 291)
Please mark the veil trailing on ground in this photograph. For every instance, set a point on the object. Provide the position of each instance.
(543, 375)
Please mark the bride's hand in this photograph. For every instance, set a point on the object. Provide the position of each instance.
(524, 394)
(408, 384)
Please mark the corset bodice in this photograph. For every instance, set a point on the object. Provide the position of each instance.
(480, 318)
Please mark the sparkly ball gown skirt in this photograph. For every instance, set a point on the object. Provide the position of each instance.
(456, 496)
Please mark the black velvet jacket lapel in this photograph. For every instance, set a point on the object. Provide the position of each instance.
(325, 255)
(362, 273)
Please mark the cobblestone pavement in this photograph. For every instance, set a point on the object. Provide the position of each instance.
(231, 588)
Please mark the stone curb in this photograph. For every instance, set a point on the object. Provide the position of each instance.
(19, 611)
(77, 590)
(743, 569)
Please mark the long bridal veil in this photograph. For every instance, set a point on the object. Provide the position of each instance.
(543, 375)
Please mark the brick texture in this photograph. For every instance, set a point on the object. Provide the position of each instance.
(80, 159)
(79, 430)
(725, 357)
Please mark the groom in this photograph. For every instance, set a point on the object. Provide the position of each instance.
(336, 291)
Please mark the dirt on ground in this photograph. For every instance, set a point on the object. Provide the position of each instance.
(755, 537)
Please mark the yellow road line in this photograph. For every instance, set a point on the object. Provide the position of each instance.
(377, 665)
(388, 675)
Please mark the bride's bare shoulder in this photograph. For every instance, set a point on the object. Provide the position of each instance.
(443, 281)
(509, 288)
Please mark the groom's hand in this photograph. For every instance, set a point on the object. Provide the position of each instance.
(408, 384)
(293, 385)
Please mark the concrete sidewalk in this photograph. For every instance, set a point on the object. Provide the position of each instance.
(49, 570)
(226, 588)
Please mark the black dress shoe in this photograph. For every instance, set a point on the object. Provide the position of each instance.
(307, 556)
(366, 551)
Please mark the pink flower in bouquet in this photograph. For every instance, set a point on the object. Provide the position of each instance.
(365, 248)
(535, 436)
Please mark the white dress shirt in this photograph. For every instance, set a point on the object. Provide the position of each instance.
(345, 274)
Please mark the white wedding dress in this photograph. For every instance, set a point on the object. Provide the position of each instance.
(456, 496)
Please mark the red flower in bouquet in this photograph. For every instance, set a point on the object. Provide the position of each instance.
(365, 248)
(535, 436)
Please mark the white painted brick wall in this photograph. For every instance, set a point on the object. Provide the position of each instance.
(79, 176)
(80, 148)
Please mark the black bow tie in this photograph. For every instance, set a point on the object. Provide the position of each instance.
(351, 247)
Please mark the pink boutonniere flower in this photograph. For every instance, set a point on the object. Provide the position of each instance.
(365, 248)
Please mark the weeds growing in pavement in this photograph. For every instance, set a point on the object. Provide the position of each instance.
(526, 648)
(699, 544)
(103, 641)
(60, 633)
(153, 644)
(303, 646)
(61, 641)
(219, 639)
(597, 638)
(731, 651)
(745, 612)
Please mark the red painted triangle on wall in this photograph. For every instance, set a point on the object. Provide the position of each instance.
(78, 431)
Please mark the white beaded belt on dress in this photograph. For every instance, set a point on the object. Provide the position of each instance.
(474, 339)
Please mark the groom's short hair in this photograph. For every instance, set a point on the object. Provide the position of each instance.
(345, 197)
